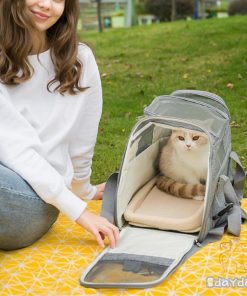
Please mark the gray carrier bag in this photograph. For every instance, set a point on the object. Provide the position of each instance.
(159, 231)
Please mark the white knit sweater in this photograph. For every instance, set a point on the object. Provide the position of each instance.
(47, 138)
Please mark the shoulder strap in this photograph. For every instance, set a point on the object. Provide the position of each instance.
(239, 177)
(109, 198)
(236, 214)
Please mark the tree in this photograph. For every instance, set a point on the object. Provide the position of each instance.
(174, 11)
(99, 15)
(167, 10)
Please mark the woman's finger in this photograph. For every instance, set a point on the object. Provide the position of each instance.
(98, 237)
(115, 231)
(109, 233)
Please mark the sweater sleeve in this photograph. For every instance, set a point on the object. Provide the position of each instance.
(20, 150)
(85, 134)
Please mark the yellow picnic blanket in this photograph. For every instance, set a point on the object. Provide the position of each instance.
(54, 264)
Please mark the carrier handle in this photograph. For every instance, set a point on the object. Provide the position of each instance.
(109, 198)
(239, 176)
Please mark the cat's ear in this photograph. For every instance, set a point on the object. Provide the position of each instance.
(174, 132)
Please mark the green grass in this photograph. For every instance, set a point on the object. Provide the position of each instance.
(140, 63)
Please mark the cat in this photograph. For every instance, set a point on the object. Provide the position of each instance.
(183, 164)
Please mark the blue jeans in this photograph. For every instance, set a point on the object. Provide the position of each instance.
(24, 216)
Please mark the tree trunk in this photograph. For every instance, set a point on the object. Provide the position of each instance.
(99, 15)
(174, 11)
(203, 9)
(196, 9)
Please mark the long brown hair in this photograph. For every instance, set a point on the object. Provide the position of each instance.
(16, 44)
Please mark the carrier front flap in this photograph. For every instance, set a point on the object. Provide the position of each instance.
(143, 258)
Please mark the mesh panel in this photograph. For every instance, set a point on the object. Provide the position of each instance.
(169, 107)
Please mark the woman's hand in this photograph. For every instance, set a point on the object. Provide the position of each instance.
(100, 190)
(99, 227)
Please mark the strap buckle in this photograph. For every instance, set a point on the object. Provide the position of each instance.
(222, 212)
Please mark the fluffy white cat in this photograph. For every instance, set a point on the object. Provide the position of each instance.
(184, 164)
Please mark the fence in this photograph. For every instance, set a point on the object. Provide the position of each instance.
(108, 9)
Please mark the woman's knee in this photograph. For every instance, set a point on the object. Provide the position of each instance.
(10, 180)
(24, 218)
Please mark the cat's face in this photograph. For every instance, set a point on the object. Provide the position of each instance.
(189, 141)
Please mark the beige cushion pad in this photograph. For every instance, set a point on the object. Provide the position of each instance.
(151, 207)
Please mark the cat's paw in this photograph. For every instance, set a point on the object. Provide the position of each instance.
(198, 197)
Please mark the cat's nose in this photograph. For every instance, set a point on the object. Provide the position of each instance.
(188, 146)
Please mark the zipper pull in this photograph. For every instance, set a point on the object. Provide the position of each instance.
(197, 243)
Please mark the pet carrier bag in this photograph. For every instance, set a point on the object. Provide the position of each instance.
(159, 231)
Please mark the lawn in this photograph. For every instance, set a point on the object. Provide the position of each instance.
(140, 63)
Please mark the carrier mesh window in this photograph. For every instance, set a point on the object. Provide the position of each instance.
(127, 268)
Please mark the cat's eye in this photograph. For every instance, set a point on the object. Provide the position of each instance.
(195, 138)
(181, 138)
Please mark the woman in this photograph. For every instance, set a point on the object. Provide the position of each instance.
(50, 106)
